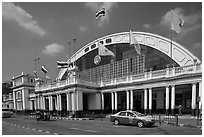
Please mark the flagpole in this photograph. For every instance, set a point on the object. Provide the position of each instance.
(69, 49)
(171, 40)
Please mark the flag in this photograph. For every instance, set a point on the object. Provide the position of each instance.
(103, 51)
(134, 42)
(35, 74)
(176, 22)
(100, 13)
(44, 70)
(61, 64)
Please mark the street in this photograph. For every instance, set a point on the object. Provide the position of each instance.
(30, 126)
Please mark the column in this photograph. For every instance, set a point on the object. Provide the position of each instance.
(167, 100)
(145, 101)
(14, 100)
(193, 103)
(112, 101)
(30, 104)
(116, 103)
(68, 101)
(128, 99)
(51, 105)
(60, 102)
(43, 102)
(131, 99)
(200, 94)
(150, 101)
(23, 99)
(102, 101)
(73, 101)
(172, 99)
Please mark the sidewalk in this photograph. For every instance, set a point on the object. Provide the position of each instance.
(184, 120)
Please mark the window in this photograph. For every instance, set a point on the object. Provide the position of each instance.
(101, 42)
(87, 49)
(122, 114)
(108, 41)
(93, 46)
(130, 114)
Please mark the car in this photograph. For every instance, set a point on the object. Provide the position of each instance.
(6, 113)
(132, 118)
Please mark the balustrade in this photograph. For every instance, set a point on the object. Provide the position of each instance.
(104, 81)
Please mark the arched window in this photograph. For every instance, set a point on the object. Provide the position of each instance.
(87, 49)
(108, 41)
(93, 46)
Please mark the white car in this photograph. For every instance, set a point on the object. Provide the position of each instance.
(131, 118)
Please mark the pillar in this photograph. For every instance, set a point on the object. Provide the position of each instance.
(193, 103)
(73, 98)
(200, 95)
(131, 99)
(50, 103)
(128, 99)
(150, 101)
(145, 101)
(68, 101)
(167, 100)
(112, 101)
(60, 102)
(172, 99)
(57, 102)
(14, 100)
(102, 101)
(116, 103)
(23, 99)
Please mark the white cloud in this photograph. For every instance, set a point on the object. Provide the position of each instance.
(147, 26)
(53, 49)
(83, 28)
(96, 6)
(13, 12)
(191, 22)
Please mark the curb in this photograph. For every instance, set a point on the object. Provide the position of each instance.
(184, 125)
(65, 118)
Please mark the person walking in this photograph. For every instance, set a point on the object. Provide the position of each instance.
(180, 109)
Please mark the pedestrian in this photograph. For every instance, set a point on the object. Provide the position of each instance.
(180, 109)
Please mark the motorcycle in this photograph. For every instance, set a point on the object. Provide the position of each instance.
(42, 115)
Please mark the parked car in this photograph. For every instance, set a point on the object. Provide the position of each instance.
(6, 113)
(131, 118)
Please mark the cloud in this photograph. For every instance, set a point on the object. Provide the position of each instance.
(53, 49)
(83, 28)
(147, 26)
(96, 6)
(192, 22)
(12, 12)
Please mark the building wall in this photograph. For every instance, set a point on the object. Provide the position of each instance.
(94, 101)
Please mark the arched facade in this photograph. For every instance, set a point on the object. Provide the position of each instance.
(170, 48)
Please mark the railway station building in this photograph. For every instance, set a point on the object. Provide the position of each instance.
(164, 76)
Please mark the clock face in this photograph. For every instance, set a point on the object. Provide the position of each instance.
(97, 59)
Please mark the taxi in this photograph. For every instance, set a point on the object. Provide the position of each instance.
(131, 118)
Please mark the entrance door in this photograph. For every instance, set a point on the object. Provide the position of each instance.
(85, 101)
(154, 105)
(137, 105)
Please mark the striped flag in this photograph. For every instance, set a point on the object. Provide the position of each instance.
(134, 42)
(61, 64)
(43, 69)
(176, 22)
(103, 51)
(100, 13)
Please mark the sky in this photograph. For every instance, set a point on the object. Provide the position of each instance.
(43, 29)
